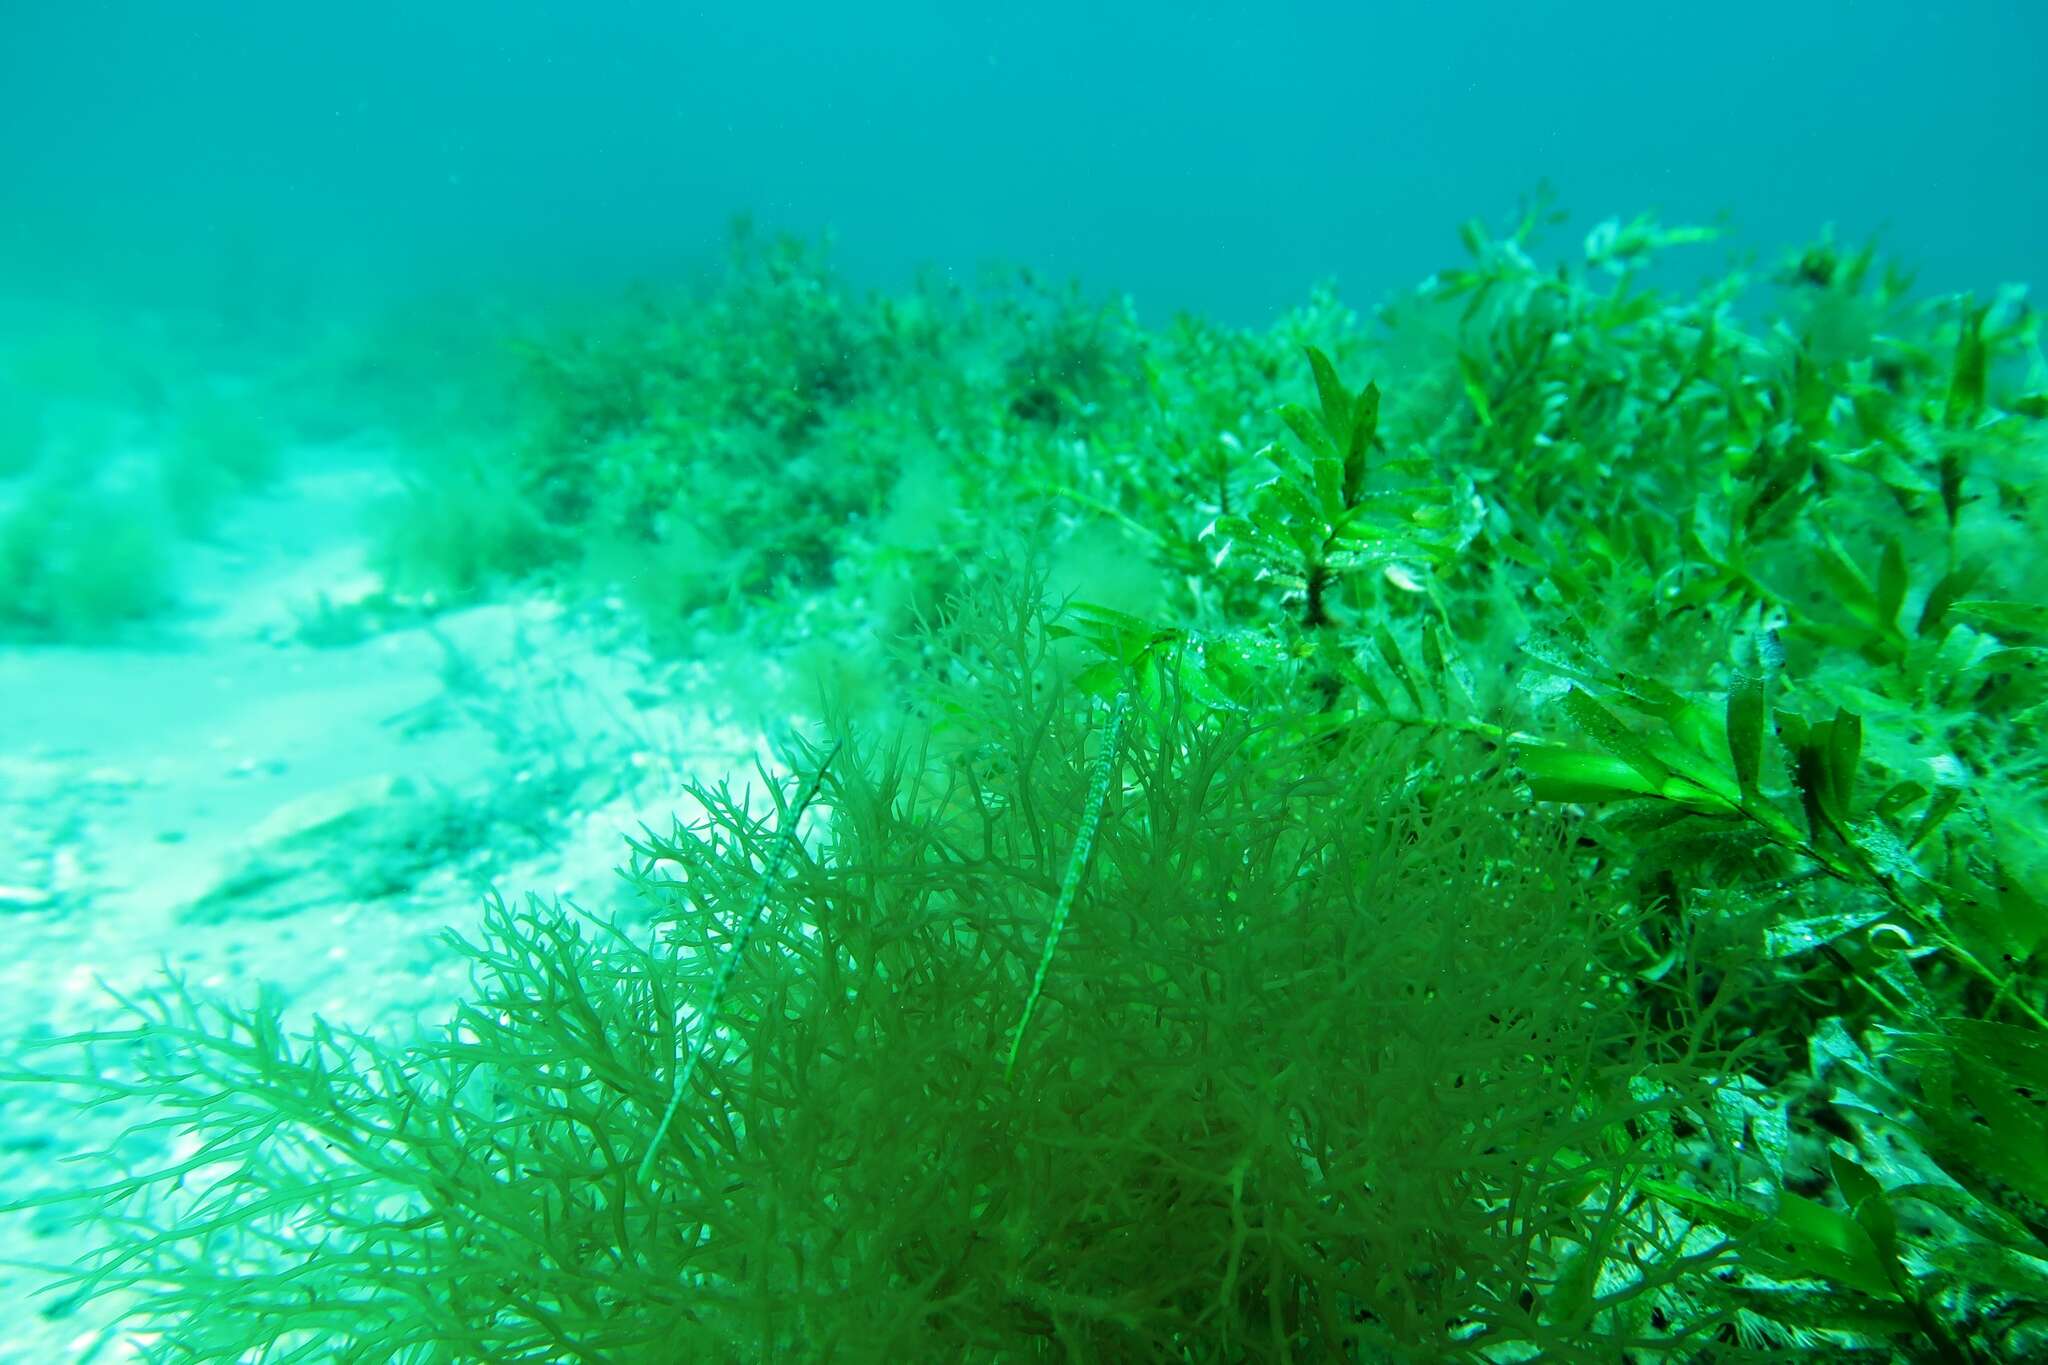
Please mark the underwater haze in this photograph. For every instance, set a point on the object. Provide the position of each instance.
(1063, 685)
(1212, 157)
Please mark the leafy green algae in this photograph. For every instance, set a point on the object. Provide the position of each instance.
(1570, 884)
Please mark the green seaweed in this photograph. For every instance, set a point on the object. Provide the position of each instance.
(1325, 1070)
(1567, 877)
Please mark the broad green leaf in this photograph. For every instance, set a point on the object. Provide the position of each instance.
(1556, 773)
(1641, 692)
(1797, 937)
(1846, 581)
(1708, 798)
(1872, 1210)
(1610, 734)
(1951, 486)
(2009, 620)
(1329, 476)
(1336, 402)
(1365, 424)
(1301, 519)
(1307, 428)
(1390, 653)
(1896, 799)
(1709, 1208)
(1891, 582)
(2018, 1054)
(1432, 649)
(1697, 781)
(1972, 363)
(1805, 1239)
(1475, 388)
(1746, 731)
(1371, 687)
(1102, 679)
(1940, 808)
(1885, 463)
(1240, 531)
(1844, 749)
(1945, 594)
(1274, 534)
(1809, 773)
(1987, 1221)
(2004, 1133)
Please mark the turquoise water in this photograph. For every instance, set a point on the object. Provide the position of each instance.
(1214, 157)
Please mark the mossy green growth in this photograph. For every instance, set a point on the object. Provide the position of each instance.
(459, 525)
(1325, 1069)
(77, 566)
(217, 447)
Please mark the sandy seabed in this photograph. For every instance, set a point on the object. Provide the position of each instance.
(246, 807)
